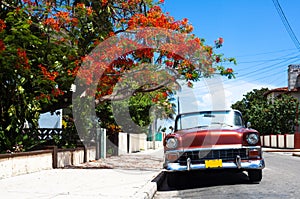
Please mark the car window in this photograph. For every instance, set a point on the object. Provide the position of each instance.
(207, 119)
(193, 120)
(238, 121)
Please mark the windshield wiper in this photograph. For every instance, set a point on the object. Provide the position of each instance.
(202, 126)
(194, 127)
(222, 123)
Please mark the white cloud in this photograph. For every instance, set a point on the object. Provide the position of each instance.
(238, 88)
(214, 93)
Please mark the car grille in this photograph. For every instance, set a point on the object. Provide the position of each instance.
(199, 156)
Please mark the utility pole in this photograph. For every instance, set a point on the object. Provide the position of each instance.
(154, 132)
(178, 105)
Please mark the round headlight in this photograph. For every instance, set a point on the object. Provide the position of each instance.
(172, 143)
(252, 138)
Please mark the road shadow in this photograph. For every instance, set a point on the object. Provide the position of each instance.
(202, 179)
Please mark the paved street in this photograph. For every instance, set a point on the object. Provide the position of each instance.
(281, 179)
(127, 176)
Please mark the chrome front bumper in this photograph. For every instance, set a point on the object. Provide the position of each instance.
(251, 164)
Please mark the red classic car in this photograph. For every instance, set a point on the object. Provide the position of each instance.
(210, 140)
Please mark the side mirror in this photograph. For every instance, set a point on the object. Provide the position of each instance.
(248, 125)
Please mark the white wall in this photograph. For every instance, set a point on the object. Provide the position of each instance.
(137, 142)
(290, 141)
(122, 149)
(281, 141)
(267, 141)
(273, 141)
(23, 164)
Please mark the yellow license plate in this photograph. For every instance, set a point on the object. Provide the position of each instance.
(213, 163)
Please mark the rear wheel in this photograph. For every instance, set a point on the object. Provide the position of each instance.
(255, 176)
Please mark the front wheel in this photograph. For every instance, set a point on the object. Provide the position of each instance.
(255, 176)
(175, 179)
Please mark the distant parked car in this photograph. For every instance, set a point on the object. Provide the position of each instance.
(212, 140)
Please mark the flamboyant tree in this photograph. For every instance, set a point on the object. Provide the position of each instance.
(43, 45)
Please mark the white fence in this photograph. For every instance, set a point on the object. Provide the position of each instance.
(129, 143)
(287, 141)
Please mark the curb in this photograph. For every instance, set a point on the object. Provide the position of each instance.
(147, 191)
(270, 151)
(296, 154)
(150, 188)
(281, 150)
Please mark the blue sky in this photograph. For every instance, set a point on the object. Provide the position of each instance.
(253, 33)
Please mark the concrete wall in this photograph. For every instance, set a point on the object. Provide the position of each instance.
(290, 141)
(134, 143)
(273, 139)
(279, 141)
(267, 142)
(143, 142)
(158, 144)
(91, 154)
(67, 157)
(29, 162)
(64, 158)
(122, 144)
(137, 142)
(26, 162)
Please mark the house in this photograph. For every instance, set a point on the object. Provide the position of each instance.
(292, 89)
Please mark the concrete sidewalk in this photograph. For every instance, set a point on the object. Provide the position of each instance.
(127, 176)
(293, 152)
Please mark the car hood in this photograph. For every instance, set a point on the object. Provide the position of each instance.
(231, 137)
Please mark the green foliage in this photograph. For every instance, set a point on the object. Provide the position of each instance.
(140, 108)
(24, 88)
(277, 116)
(69, 137)
(38, 58)
(43, 43)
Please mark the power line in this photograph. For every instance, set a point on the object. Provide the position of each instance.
(269, 60)
(268, 67)
(271, 71)
(264, 53)
(275, 81)
(260, 79)
(286, 24)
(284, 57)
(271, 75)
(257, 69)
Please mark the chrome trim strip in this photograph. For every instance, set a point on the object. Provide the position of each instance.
(253, 164)
(216, 148)
(174, 151)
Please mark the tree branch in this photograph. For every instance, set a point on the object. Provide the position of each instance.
(126, 93)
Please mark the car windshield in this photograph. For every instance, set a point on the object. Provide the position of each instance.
(208, 119)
